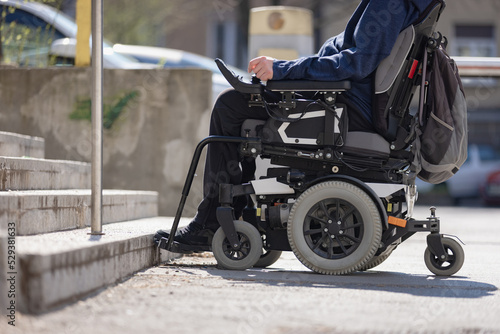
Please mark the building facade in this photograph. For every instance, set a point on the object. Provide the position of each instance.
(471, 26)
(221, 28)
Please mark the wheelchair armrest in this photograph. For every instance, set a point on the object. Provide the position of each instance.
(308, 86)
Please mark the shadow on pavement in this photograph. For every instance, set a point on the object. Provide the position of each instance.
(395, 282)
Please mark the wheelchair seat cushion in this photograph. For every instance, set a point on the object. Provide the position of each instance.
(366, 144)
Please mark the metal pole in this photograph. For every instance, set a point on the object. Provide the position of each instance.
(97, 55)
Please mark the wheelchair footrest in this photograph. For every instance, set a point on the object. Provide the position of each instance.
(177, 247)
(423, 226)
(432, 224)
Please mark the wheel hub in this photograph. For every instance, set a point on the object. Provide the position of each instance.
(333, 228)
(237, 253)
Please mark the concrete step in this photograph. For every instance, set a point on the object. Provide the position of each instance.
(56, 268)
(17, 145)
(33, 174)
(42, 211)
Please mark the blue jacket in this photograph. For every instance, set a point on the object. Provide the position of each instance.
(354, 55)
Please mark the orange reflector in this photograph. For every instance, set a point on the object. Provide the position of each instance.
(397, 221)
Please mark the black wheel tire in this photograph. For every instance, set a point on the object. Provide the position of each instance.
(375, 261)
(456, 258)
(378, 259)
(268, 258)
(360, 223)
(243, 258)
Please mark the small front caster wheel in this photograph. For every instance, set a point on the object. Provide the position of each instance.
(246, 255)
(451, 265)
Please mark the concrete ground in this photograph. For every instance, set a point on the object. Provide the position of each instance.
(191, 295)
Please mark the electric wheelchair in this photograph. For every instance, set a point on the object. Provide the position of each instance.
(341, 201)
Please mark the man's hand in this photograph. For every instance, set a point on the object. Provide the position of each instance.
(262, 67)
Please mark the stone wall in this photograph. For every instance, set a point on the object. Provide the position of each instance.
(153, 120)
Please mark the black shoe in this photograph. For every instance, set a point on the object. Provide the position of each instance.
(194, 234)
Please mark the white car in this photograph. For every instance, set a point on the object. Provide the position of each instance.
(481, 161)
(48, 32)
(41, 26)
(171, 58)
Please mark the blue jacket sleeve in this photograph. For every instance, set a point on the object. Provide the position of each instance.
(356, 53)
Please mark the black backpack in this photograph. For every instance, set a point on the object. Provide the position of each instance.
(440, 145)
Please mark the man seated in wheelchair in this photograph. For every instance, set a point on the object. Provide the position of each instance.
(352, 57)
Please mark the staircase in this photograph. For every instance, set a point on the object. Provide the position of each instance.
(47, 204)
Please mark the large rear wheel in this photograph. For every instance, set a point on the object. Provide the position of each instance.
(334, 228)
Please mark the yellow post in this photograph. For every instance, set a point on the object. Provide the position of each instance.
(84, 22)
(280, 32)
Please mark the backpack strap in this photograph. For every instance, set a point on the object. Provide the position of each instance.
(423, 87)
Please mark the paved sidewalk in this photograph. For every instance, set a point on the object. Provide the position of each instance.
(191, 295)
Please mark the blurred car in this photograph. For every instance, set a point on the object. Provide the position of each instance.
(29, 29)
(490, 192)
(49, 38)
(172, 58)
(481, 161)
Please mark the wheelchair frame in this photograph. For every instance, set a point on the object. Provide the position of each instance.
(330, 233)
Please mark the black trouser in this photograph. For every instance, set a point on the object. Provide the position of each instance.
(223, 160)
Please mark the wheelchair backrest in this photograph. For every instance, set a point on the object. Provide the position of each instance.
(396, 78)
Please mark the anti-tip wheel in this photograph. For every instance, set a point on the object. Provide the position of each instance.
(268, 258)
(334, 228)
(449, 266)
(242, 258)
